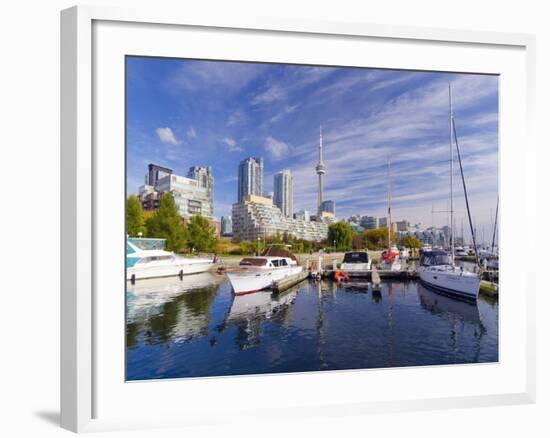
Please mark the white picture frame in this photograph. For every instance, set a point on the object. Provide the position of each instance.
(85, 318)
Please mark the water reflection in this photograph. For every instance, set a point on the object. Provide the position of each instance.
(170, 309)
(460, 315)
(198, 328)
(448, 307)
(249, 312)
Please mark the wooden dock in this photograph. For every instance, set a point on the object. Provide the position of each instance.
(488, 288)
(286, 283)
(384, 274)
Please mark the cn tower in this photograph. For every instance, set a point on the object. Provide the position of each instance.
(320, 169)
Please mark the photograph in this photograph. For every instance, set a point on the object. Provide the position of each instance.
(289, 218)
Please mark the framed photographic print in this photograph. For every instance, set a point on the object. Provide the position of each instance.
(248, 207)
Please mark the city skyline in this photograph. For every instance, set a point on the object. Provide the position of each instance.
(216, 114)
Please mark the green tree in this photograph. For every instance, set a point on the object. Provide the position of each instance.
(201, 235)
(135, 221)
(411, 243)
(167, 224)
(378, 238)
(340, 235)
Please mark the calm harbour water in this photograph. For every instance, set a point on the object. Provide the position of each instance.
(197, 328)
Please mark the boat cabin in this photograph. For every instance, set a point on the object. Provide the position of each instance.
(265, 262)
(435, 258)
(356, 257)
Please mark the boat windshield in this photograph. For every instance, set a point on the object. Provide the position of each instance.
(253, 262)
(147, 243)
(356, 257)
(434, 258)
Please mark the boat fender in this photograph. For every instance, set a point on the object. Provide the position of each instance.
(341, 276)
(180, 274)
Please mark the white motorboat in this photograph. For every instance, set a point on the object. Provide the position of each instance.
(146, 258)
(438, 271)
(356, 261)
(437, 268)
(258, 273)
(461, 252)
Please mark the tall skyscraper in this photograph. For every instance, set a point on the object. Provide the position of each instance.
(328, 206)
(205, 179)
(321, 170)
(251, 178)
(282, 192)
(156, 172)
(226, 225)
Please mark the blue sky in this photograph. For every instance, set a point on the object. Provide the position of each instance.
(182, 113)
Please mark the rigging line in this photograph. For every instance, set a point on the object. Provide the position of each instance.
(465, 193)
(495, 228)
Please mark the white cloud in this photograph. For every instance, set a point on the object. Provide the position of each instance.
(275, 147)
(232, 145)
(288, 109)
(412, 128)
(166, 135)
(272, 93)
(191, 133)
(227, 77)
(235, 118)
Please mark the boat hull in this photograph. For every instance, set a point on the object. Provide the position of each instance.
(391, 266)
(173, 269)
(254, 281)
(451, 282)
(352, 267)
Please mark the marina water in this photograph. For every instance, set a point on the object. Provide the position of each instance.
(195, 327)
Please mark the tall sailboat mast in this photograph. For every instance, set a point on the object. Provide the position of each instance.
(451, 178)
(388, 220)
(495, 228)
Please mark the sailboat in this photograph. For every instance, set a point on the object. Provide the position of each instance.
(437, 268)
(390, 258)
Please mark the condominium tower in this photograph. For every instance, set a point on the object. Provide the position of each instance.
(251, 178)
(282, 192)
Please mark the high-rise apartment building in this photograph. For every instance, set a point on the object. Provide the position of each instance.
(282, 192)
(251, 178)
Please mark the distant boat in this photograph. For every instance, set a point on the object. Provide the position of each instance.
(461, 252)
(391, 260)
(356, 261)
(437, 268)
(146, 258)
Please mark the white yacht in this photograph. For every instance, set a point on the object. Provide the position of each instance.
(258, 273)
(437, 268)
(356, 261)
(438, 271)
(146, 258)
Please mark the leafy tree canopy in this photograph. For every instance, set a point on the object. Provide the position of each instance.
(166, 223)
(135, 220)
(201, 235)
(340, 235)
